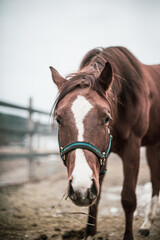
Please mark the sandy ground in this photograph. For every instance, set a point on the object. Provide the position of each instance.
(25, 209)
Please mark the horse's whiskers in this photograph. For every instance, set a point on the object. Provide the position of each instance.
(74, 219)
(64, 214)
(53, 210)
(74, 213)
(66, 197)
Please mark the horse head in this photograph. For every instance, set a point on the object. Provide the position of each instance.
(83, 114)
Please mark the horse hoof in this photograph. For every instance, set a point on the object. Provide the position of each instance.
(144, 232)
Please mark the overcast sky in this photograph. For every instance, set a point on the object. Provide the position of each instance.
(35, 34)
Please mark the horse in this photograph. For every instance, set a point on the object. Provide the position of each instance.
(111, 104)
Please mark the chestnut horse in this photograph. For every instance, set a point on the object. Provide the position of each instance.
(112, 94)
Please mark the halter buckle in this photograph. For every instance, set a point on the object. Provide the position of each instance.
(61, 149)
(102, 160)
(61, 154)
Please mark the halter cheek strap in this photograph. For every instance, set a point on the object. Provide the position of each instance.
(102, 156)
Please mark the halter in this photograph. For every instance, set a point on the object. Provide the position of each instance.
(102, 156)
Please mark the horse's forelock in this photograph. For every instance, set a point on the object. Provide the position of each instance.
(81, 80)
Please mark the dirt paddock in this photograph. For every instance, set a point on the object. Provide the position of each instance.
(25, 209)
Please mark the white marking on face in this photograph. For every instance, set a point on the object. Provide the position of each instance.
(80, 108)
(151, 213)
(82, 173)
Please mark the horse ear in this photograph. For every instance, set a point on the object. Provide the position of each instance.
(57, 78)
(105, 77)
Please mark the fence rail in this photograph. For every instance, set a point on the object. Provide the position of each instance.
(30, 129)
(11, 156)
(29, 109)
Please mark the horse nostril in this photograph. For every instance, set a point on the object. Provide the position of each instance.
(71, 192)
(93, 190)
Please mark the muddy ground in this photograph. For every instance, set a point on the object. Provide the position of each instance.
(25, 209)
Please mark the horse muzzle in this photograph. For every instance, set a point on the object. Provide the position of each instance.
(82, 196)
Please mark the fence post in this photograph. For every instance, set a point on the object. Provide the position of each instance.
(30, 143)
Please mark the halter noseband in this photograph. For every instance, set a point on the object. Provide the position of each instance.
(102, 156)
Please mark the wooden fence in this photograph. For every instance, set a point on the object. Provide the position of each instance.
(28, 129)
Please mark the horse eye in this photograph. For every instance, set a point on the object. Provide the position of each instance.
(106, 119)
(58, 121)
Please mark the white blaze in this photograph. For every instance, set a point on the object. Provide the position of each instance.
(82, 173)
(80, 108)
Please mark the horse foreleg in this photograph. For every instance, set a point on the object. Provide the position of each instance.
(153, 157)
(130, 155)
(92, 215)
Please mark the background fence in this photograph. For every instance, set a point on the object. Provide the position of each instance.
(20, 131)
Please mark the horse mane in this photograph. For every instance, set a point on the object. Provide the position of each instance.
(127, 73)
